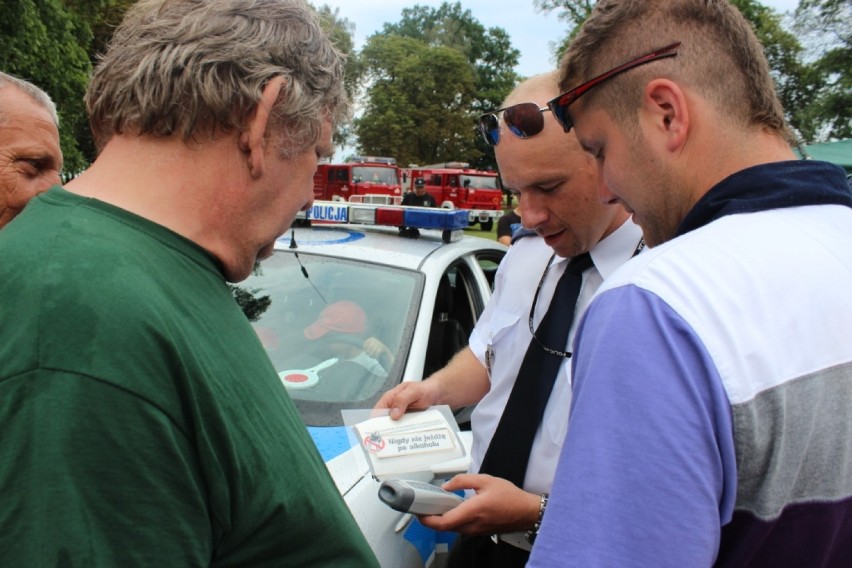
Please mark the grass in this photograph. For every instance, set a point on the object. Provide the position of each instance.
(476, 232)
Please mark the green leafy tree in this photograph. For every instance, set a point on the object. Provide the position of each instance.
(489, 51)
(341, 32)
(827, 26)
(418, 109)
(102, 17)
(44, 43)
(97, 19)
(488, 59)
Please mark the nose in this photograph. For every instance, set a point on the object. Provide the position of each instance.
(605, 194)
(532, 213)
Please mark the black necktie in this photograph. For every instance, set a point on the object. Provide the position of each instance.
(509, 452)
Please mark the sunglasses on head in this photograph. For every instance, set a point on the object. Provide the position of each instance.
(559, 105)
(523, 119)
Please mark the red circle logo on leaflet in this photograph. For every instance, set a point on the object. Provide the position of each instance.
(374, 443)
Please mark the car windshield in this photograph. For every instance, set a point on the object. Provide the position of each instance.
(373, 174)
(337, 331)
(479, 182)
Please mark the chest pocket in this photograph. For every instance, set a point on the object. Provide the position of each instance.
(500, 337)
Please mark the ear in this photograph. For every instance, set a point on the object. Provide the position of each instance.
(253, 139)
(665, 110)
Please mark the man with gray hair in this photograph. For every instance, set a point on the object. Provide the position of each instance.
(30, 155)
(143, 423)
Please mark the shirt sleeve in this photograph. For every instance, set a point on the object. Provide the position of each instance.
(647, 469)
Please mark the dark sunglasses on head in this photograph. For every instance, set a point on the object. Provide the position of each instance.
(523, 119)
(559, 105)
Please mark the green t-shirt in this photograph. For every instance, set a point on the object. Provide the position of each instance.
(142, 422)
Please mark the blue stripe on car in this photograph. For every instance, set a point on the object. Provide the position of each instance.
(422, 538)
(331, 441)
(319, 237)
(426, 540)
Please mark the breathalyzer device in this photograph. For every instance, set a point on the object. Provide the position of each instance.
(417, 497)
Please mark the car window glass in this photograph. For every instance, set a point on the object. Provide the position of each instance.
(315, 329)
(479, 182)
(455, 313)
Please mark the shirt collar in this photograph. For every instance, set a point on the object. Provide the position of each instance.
(776, 185)
(615, 249)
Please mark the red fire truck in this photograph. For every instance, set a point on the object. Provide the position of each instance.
(359, 176)
(455, 186)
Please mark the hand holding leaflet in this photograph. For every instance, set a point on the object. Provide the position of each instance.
(409, 447)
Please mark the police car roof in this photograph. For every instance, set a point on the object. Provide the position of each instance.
(379, 244)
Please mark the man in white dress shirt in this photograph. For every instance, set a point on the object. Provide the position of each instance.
(557, 188)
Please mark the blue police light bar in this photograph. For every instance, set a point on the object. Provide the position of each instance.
(436, 218)
(450, 221)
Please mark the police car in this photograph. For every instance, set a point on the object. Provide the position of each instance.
(349, 307)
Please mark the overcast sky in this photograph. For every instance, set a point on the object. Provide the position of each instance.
(531, 32)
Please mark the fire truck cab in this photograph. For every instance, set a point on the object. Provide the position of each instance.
(359, 176)
(454, 185)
